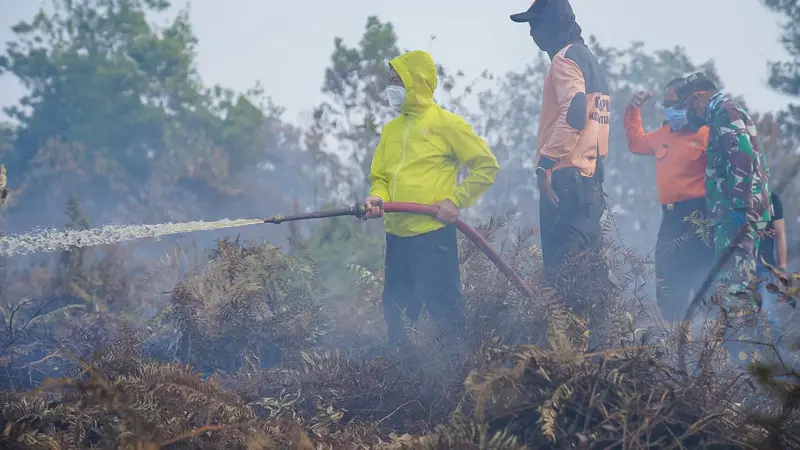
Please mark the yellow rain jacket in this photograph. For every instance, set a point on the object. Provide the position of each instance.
(421, 150)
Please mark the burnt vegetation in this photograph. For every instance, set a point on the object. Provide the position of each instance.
(248, 351)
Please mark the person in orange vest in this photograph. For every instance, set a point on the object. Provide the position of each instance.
(683, 254)
(572, 139)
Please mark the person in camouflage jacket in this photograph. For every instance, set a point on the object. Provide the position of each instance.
(737, 177)
(737, 195)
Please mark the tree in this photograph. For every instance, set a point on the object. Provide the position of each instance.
(116, 113)
(355, 110)
(785, 75)
(781, 131)
(100, 75)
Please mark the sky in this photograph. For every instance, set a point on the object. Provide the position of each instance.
(286, 45)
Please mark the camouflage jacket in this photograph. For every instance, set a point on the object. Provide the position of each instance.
(737, 177)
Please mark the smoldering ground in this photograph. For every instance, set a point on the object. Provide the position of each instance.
(248, 345)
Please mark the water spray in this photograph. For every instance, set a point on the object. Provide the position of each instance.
(51, 240)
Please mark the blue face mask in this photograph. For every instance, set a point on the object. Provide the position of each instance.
(676, 118)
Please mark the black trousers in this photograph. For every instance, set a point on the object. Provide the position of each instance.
(423, 270)
(573, 226)
(683, 258)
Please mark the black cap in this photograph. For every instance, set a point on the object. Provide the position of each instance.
(531, 14)
(694, 83)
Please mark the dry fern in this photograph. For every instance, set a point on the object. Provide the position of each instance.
(254, 370)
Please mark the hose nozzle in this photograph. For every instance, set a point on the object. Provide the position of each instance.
(360, 209)
(274, 219)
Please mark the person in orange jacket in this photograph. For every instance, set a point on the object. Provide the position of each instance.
(683, 257)
(572, 140)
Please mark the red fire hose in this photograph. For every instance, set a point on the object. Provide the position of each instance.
(427, 210)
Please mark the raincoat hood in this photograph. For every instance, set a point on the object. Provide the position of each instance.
(555, 27)
(418, 72)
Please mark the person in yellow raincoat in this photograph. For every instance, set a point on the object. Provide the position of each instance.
(417, 160)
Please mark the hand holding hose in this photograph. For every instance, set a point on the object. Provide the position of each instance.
(373, 207)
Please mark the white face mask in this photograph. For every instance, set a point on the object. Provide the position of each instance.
(396, 95)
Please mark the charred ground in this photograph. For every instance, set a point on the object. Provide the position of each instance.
(249, 350)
